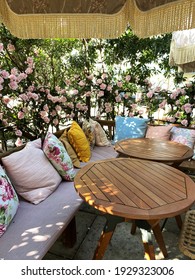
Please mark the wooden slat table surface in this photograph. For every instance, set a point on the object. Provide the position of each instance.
(154, 149)
(136, 189)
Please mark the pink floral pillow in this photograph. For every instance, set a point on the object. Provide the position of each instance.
(8, 201)
(184, 136)
(160, 132)
(58, 156)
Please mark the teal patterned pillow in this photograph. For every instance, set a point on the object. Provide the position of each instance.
(58, 156)
(8, 201)
(184, 136)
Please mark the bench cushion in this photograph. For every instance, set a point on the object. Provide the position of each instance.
(36, 227)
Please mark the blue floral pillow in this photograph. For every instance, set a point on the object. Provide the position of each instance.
(58, 156)
(127, 127)
(8, 201)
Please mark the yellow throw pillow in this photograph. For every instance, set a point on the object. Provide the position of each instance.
(64, 139)
(79, 142)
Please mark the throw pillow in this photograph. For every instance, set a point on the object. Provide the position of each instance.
(58, 156)
(159, 131)
(184, 136)
(79, 142)
(32, 175)
(8, 201)
(100, 135)
(127, 127)
(64, 139)
(89, 133)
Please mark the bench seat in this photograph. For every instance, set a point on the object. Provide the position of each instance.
(35, 228)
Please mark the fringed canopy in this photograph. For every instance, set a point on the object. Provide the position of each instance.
(95, 18)
(182, 50)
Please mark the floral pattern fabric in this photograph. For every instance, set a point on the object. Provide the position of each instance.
(58, 156)
(8, 201)
(184, 136)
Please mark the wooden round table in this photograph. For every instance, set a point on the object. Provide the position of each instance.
(136, 190)
(154, 149)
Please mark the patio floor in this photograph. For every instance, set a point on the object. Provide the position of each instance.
(123, 245)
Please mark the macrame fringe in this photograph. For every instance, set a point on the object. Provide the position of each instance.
(178, 15)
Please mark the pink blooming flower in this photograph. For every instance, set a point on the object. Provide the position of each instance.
(88, 93)
(10, 48)
(90, 77)
(150, 94)
(20, 115)
(184, 122)
(177, 114)
(75, 91)
(118, 98)
(1, 88)
(68, 82)
(104, 76)
(126, 96)
(81, 83)
(99, 81)
(62, 99)
(28, 70)
(109, 88)
(18, 132)
(13, 85)
(128, 78)
(103, 86)
(100, 93)
(46, 119)
(55, 121)
(162, 104)
(24, 97)
(6, 99)
(58, 108)
(1, 47)
(46, 108)
(174, 95)
(187, 108)
(14, 71)
(119, 84)
(4, 74)
(18, 142)
(189, 85)
(22, 76)
(171, 119)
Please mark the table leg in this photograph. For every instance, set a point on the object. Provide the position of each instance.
(106, 235)
(158, 235)
(145, 229)
(179, 221)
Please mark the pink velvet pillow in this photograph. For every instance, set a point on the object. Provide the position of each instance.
(31, 173)
(160, 132)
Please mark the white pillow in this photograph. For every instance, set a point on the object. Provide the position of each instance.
(31, 173)
(100, 135)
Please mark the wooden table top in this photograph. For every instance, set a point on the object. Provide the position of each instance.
(135, 189)
(154, 149)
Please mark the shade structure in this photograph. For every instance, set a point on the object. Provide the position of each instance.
(182, 50)
(95, 18)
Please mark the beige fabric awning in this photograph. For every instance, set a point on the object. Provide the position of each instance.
(182, 50)
(95, 18)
